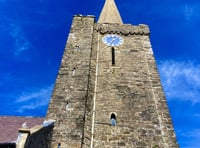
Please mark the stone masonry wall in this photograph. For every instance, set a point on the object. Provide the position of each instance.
(165, 123)
(91, 93)
(89, 89)
(130, 89)
(68, 100)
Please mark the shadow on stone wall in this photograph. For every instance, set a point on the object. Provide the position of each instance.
(40, 138)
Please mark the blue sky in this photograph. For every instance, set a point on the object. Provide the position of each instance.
(33, 36)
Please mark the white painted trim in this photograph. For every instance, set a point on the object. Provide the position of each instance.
(95, 93)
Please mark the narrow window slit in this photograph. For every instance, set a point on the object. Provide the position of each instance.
(74, 71)
(67, 105)
(113, 56)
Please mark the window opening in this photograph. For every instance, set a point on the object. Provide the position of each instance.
(113, 120)
(74, 71)
(59, 145)
(67, 105)
(77, 48)
(113, 56)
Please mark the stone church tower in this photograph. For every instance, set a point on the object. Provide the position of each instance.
(108, 92)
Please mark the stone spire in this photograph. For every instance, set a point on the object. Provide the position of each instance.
(110, 13)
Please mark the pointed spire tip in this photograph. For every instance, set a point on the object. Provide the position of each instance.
(110, 13)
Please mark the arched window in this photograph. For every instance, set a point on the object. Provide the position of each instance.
(113, 120)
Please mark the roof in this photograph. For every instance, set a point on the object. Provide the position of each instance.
(9, 126)
(110, 13)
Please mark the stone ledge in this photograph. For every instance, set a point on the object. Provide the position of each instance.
(125, 29)
(80, 15)
(24, 130)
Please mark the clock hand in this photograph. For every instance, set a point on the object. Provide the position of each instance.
(111, 42)
(113, 39)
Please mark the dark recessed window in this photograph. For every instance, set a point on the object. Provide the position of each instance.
(113, 56)
(74, 71)
(113, 120)
(67, 105)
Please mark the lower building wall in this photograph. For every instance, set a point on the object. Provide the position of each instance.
(40, 138)
(36, 137)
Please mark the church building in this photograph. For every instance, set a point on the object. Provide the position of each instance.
(107, 94)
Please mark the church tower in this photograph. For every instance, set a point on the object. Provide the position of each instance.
(108, 92)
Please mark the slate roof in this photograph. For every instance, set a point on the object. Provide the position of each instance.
(9, 126)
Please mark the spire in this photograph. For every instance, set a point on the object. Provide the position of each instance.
(110, 13)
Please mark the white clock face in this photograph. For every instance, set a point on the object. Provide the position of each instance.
(112, 40)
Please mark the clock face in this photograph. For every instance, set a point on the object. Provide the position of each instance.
(112, 40)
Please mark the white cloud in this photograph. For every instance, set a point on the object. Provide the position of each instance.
(181, 11)
(21, 42)
(190, 138)
(192, 133)
(34, 99)
(41, 93)
(196, 115)
(181, 80)
(190, 12)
